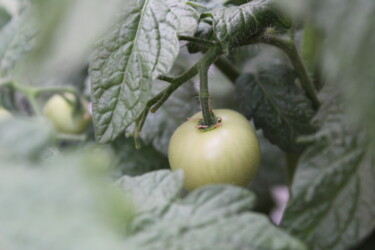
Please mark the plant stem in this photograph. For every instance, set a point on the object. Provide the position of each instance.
(290, 49)
(203, 42)
(32, 93)
(159, 99)
(34, 103)
(226, 66)
(204, 97)
(175, 82)
(302, 73)
(195, 4)
(54, 89)
(70, 137)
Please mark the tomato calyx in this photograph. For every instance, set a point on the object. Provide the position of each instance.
(206, 128)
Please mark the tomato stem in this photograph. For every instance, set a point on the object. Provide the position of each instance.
(175, 82)
(204, 97)
(289, 47)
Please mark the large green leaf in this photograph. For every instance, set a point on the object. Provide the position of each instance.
(143, 45)
(277, 105)
(152, 193)
(333, 205)
(235, 25)
(213, 217)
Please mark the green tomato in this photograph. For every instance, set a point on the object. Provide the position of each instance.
(61, 113)
(228, 154)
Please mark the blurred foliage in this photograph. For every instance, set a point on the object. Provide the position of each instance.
(5, 16)
(16, 39)
(333, 185)
(24, 139)
(60, 201)
(348, 55)
(61, 46)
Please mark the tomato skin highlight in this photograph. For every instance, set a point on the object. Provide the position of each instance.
(228, 154)
(61, 113)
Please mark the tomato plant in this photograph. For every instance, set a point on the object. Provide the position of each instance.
(61, 111)
(229, 153)
(294, 78)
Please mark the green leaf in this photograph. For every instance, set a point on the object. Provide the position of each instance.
(169, 222)
(245, 231)
(65, 204)
(159, 127)
(132, 161)
(24, 139)
(142, 46)
(235, 25)
(152, 192)
(277, 105)
(16, 38)
(332, 204)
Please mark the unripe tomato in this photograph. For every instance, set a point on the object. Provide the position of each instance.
(61, 113)
(229, 153)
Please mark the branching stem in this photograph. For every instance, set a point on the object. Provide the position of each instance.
(175, 82)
